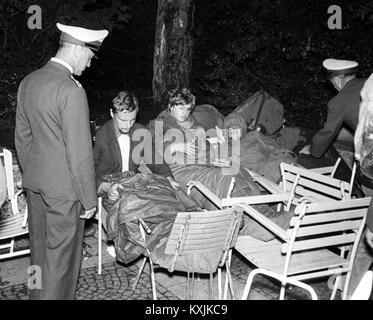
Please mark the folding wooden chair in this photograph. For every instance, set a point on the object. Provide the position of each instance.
(16, 224)
(322, 240)
(195, 235)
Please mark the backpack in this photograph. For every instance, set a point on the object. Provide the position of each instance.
(268, 110)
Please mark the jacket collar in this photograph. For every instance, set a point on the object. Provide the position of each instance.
(350, 83)
(65, 64)
(59, 67)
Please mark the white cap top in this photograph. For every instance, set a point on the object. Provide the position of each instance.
(82, 36)
(338, 65)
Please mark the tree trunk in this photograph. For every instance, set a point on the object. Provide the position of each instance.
(173, 48)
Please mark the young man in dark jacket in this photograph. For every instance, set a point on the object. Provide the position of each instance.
(121, 144)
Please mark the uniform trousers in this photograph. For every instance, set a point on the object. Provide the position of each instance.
(56, 238)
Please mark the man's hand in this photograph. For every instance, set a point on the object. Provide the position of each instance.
(221, 133)
(88, 214)
(369, 237)
(113, 193)
(188, 148)
(104, 187)
(306, 149)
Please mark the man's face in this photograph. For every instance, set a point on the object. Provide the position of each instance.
(83, 60)
(124, 120)
(181, 112)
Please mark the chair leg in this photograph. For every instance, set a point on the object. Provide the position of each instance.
(192, 287)
(99, 245)
(335, 287)
(187, 295)
(189, 286)
(282, 291)
(139, 274)
(249, 282)
(230, 283)
(347, 283)
(153, 280)
(211, 287)
(219, 284)
(227, 275)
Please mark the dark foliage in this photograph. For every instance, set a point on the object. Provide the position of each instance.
(240, 46)
(277, 46)
(23, 50)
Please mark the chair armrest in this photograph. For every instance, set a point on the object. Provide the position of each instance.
(264, 221)
(25, 217)
(283, 279)
(14, 201)
(266, 198)
(264, 182)
(205, 191)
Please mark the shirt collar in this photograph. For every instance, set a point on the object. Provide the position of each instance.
(65, 64)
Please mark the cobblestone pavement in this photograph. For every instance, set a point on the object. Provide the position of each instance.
(115, 282)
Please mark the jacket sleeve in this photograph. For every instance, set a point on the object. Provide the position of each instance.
(79, 152)
(322, 139)
(157, 163)
(22, 135)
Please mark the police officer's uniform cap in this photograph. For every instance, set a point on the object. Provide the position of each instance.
(336, 67)
(89, 38)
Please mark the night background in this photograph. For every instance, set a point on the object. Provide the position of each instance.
(239, 47)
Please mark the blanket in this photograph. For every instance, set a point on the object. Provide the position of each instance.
(146, 196)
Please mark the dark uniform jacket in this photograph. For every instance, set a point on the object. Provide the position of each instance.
(343, 108)
(53, 138)
(108, 158)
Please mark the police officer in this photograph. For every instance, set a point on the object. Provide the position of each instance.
(342, 109)
(53, 143)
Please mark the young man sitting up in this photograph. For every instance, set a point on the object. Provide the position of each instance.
(121, 144)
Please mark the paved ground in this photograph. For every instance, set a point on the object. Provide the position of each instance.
(115, 282)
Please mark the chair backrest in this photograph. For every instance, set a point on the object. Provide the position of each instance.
(327, 224)
(8, 166)
(303, 183)
(204, 232)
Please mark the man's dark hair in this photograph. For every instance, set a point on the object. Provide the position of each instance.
(125, 101)
(181, 97)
